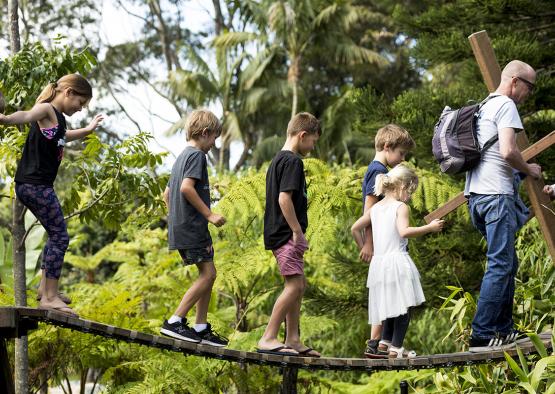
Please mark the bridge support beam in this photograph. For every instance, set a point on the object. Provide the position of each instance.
(6, 378)
(289, 383)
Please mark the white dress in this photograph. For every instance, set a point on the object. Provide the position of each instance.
(393, 280)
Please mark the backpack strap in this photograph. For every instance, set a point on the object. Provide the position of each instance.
(493, 139)
(488, 99)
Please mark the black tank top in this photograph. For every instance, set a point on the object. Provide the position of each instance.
(42, 153)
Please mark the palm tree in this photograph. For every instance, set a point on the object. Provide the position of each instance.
(292, 27)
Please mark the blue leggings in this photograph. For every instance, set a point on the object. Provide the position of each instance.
(42, 201)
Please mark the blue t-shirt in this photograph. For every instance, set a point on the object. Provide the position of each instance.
(369, 181)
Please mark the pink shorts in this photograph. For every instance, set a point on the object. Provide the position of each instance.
(290, 258)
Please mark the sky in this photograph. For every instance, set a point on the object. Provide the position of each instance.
(117, 26)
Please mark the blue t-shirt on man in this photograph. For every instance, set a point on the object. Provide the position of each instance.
(369, 182)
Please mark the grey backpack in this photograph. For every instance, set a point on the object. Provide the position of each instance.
(455, 143)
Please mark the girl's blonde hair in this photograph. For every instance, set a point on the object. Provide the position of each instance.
(78, 84)
(400, 178)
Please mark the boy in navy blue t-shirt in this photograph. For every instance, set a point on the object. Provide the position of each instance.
(392, 143)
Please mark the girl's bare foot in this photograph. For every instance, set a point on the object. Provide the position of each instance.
(56, 305)
(61, 295)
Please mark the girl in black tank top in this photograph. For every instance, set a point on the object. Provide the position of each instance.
(37, 170)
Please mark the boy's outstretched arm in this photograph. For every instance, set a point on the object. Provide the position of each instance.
(364, 222)
(288, 210)
(406, 231)
(188, 190)
(38, 112)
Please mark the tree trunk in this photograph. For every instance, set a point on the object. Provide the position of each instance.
(20, 290)
(218, 17)
(90, 276)
(18, 231)
(293, 75)
(15, 43)
(43, 382)
(244, 155)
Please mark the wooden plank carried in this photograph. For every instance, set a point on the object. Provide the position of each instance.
(528, 154)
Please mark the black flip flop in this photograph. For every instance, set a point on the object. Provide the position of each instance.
(305, 353)
(276, 351)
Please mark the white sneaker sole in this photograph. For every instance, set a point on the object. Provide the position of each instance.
(478, 349)
(172, 334)
(203, 342)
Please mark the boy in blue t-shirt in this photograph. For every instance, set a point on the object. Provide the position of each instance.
(392, 143)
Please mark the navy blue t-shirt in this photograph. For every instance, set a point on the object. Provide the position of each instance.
(369, 181)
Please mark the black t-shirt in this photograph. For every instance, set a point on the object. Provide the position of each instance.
(42, 153)
(285, 174)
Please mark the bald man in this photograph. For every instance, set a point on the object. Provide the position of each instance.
(491, 200)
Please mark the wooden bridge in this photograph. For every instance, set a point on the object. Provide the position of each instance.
(17, 321)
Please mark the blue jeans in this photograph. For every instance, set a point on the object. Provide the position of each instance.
(495, 217)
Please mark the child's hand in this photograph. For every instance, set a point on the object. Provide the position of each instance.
(94, 123)
(436, 225)
(298, 237)
(216, 220)
(366, 253)
(547, 189)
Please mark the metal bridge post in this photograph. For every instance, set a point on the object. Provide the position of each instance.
(404, 387)
(289, 383)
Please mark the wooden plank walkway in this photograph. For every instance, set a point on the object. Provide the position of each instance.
(15, 322)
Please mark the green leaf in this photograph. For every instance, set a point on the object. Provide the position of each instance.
(516, 369)
(540, 347)
(539, 369)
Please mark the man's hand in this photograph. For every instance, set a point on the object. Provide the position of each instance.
(216, 220)
(534, 170)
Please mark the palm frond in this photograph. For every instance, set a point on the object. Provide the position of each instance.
(233, 38)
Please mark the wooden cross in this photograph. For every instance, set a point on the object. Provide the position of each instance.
(491, 72)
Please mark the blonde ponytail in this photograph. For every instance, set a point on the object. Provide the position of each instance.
(77, 83)
(382, 184)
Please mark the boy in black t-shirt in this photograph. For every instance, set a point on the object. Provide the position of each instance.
(285, 221)
(188, 199)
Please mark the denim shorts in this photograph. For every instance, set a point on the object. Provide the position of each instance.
(197, 255)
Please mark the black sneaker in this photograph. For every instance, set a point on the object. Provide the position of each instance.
(516, 337)
(373, 350)
(180, 330)
(209, 337)
(488, 344)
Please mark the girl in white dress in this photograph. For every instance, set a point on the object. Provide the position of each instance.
(393, 280)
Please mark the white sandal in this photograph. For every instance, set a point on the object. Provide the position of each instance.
(400, 352)
(387, 345)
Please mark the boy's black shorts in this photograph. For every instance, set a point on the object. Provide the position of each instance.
(197, 255)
